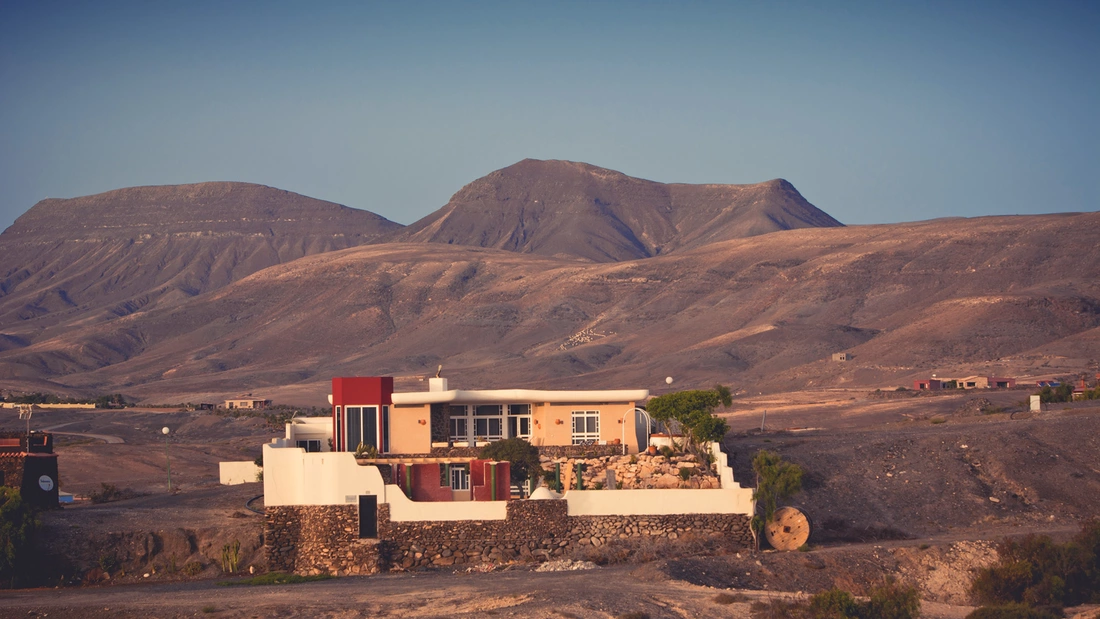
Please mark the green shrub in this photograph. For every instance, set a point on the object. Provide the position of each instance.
(522, 457)
(834, 603)
(892, 601)
(667, 451)
(18, 526)
(192, 568)
(685, 473)
(1037, 572)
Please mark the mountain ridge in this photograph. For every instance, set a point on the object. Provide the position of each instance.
(566, 208)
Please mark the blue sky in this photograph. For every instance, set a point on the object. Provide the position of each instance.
(877, 112)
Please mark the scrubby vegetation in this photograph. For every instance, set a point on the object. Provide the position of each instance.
(110, 492)
(114, 400)
(18, 526)
(1039, 574)
(887, 601)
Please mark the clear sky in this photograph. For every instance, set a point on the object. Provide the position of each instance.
(876, 111)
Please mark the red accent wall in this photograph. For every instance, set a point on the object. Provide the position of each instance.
(481, 476)
(355, 390)
(425, 482)
(358, 390)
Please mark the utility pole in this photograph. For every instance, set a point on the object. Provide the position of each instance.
(167, 459)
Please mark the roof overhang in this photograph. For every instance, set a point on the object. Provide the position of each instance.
(519, 396)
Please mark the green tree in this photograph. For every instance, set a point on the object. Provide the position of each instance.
(521, 455)
(18, 524)
(776, 480)
(693, 411)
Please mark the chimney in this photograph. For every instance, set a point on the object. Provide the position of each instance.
(437, 384)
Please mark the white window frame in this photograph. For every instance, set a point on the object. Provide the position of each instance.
(586, 436)
(460, 477)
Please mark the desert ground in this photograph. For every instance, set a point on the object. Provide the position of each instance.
(917, 488)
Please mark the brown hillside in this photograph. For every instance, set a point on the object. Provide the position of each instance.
(1014, 295)
(567, 209)
(71, 263)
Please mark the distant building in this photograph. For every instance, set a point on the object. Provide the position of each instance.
(1048, 383)
(841, 356)
(931, 384)
(247, 402)
(986, 382)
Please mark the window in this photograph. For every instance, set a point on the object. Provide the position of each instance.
(459, 430)
(586, 427)
(362, 426)
(310, 445)
(460, 477)
(488, 422)
(519, 421)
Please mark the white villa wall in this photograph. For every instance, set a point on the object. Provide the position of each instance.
(404, 509)
(294, 477)
(658, 502)
(233, 473)
(310, 428)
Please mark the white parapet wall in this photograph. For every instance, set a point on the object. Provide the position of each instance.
(404, 509)
(294, 477)
(657, 502)
(233, 473)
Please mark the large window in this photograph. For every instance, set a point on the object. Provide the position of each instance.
(459, 427)
(362, 426)
(519, 421)
(586, 427)
(489, 422)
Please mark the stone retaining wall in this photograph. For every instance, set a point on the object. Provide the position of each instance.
(324, 538)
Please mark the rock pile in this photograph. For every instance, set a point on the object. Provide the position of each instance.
(636, 472)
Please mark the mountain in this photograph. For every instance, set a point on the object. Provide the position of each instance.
(567, 209)
(1002, 295)
(69, 264)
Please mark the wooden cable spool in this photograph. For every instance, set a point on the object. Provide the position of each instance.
(788, 529)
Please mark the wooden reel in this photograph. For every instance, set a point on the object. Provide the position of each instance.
(789, 529)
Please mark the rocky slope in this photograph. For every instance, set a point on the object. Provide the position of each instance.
(67, 264)
(567, 209)
(1013, 295)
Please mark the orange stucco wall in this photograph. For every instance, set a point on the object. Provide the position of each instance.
(407, 434)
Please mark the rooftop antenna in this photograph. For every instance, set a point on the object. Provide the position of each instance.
(25, 412)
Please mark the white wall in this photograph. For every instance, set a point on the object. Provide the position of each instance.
(233, 473)
(658, 502)
(294, 477)
(310, 428)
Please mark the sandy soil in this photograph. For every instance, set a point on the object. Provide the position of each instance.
(896, 487)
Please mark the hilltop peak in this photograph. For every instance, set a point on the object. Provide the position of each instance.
(576, 209)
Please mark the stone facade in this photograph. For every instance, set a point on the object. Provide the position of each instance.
(324, 538)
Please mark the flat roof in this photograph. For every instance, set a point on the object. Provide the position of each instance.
(518, 396)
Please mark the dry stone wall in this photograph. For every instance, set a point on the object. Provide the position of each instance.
(324, 538)
(636, 472)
